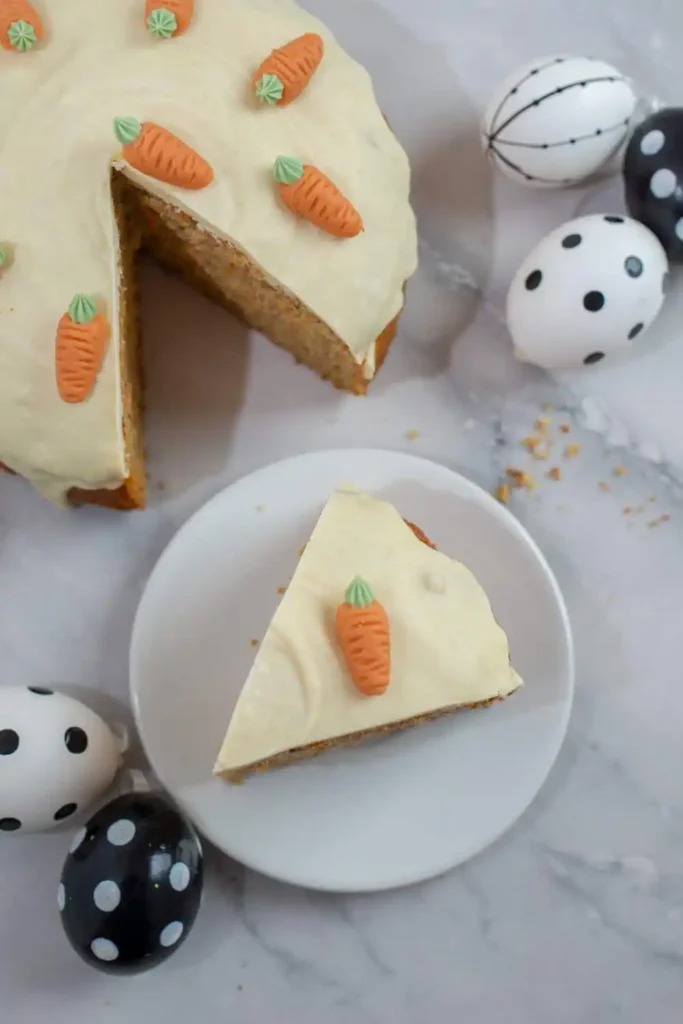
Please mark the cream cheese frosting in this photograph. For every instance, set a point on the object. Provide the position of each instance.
(98, 61)
(447, 649)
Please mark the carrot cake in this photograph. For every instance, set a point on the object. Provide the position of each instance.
(377, 631)
(241, 144)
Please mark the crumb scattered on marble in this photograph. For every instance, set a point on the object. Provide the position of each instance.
(281, 590)
(542, 424)
(253, 643)
(554, 473)
(531, 443)
(619, 470)
(604, 487)
(628, 510)
(542, 453)
(572, 450)
(652, 498)
(412, 435)
(565, 428)
(503, 494)
(300, 551)
(657, 522)
(520, 479)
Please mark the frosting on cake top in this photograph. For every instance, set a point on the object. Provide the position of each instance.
(446, 647)
(98, 61)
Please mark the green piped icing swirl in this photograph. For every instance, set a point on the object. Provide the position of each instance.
(82, 309)
(127, 129)
(359, 593)
(287, 170)
(22, 35)
(269, 89)
(162, 23)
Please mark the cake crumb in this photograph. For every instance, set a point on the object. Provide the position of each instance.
(281, 590)
(628, 510)
(604, 487)
(542, 424)
(554, 473)
(412, 435)
(619, 470)
(540, 454)
(503, 494)
(300, 551)
(253, 643)
(565, 428)
(520, 479)
(652, 497)
(531, 443)
(572, 450)
(656, 522)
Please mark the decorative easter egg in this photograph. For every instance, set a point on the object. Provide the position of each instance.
(653, 178)
(131, 884)
(558, 120)
(56, 757)
(588, 290)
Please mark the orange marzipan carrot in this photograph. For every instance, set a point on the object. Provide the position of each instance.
(292, 66)
(155, 151)
(183, 10)
(310, 194)
(362, 627)
(82, 336)
(12, 11)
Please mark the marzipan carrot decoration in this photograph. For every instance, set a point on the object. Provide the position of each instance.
(82, 337)
(287, 71)
(20, 25)
(363, 631)
(310, 194)
(155, 151)
(420, 535)
(166, 18)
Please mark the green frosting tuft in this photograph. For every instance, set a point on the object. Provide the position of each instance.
(359, 593)
(22, 35)
(162, 23)
(269, 89)
(287, 170)
(82, 309)
(3, 257)
(127, 129)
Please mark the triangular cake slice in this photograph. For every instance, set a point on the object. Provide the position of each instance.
(445, 649)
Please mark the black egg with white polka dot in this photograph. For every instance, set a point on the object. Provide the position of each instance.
(131, 885)
(653, 178)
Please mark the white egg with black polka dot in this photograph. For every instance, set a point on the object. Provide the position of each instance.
(57, 756)
(587, 292)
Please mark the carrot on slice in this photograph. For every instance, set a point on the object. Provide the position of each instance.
(82, 336)
(310, 194)
(286, 72)
(362, 626)
(166, 18)
(20, 25)
(155, 151)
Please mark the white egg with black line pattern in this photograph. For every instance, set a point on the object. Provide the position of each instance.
(559, 120)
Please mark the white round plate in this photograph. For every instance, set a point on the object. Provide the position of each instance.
(388, 812)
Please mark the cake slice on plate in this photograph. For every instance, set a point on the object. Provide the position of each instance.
(376, 631)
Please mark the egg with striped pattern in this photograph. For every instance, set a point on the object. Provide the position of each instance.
(559, 121)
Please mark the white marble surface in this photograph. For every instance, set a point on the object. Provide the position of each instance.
(574, 916)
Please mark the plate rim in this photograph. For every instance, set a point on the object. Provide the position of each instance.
(521, 535)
